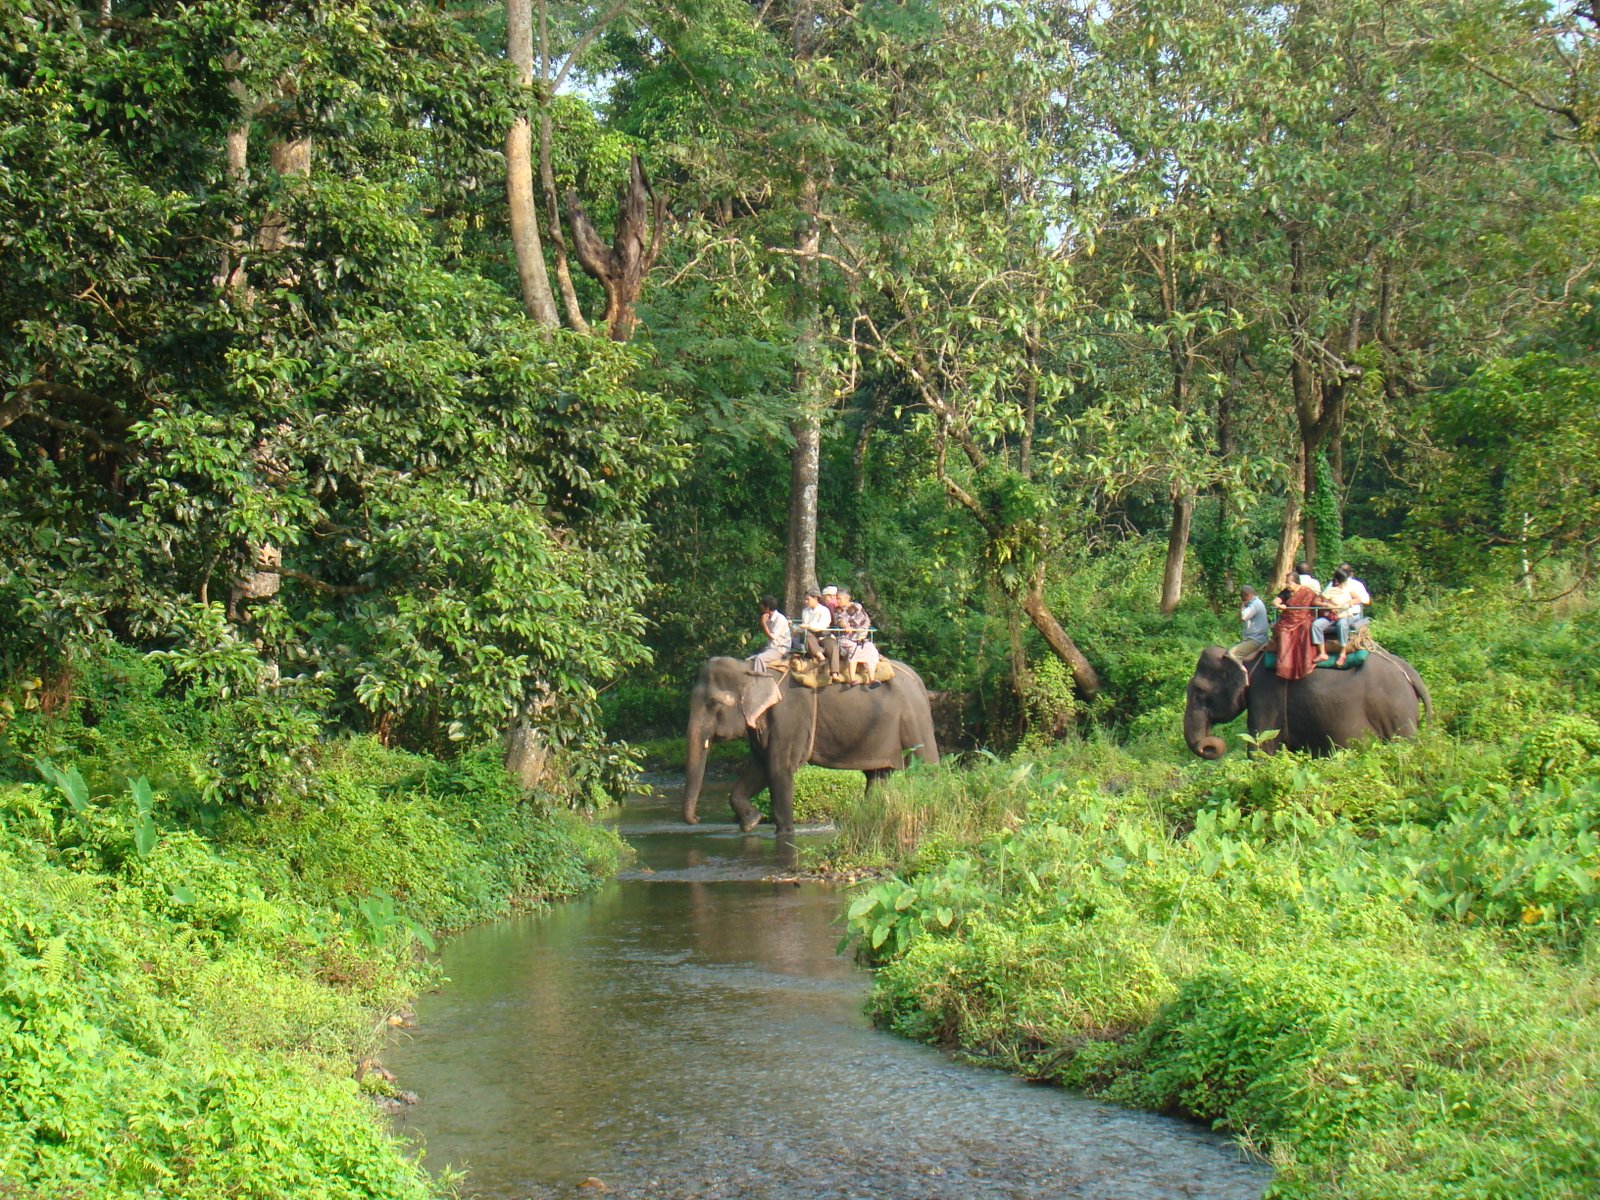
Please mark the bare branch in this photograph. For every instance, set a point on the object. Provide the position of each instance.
(582, 44)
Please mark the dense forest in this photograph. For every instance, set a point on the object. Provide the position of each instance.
(398, 401)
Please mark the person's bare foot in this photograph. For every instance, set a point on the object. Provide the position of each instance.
(1340, 663)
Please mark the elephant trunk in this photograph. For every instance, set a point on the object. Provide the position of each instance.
(694, 774)
(1197, 732)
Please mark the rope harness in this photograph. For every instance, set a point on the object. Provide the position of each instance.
(811, 744)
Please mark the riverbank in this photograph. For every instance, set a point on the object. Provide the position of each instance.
(192, 995)
(1380, 969)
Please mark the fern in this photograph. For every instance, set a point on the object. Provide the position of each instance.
(53, 959)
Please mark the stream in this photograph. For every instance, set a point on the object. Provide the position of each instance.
(689, 1032)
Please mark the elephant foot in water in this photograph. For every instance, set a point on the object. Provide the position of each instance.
(747, 824)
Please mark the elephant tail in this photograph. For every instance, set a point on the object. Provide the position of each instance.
(1422, 694)
(1415, 680)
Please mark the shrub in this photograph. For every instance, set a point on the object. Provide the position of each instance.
(1379, 967)
(1566, 747)
(819, 794)
(186, 991)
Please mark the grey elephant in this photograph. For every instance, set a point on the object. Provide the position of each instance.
(868, 728)
(1326, 709)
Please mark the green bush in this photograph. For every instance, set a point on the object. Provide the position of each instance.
(820, 794)
(186, 990)
(1377, 967)
(1566, 747)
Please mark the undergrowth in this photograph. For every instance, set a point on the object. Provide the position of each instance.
(186, 990)
(1381, 968)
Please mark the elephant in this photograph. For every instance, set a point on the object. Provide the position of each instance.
(864, 727)
(1327, 709)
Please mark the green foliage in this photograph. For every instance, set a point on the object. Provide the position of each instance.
(888, 916)
(1530, 858)
(448, 503)
(1377, 967)
(1223, 553)
(265, 749)
(820, 794)
(1326, 513)
(942, 807)
(1564, 747)
(182, 1011)
(1518, 479)
(1050, 705)
(282, 460)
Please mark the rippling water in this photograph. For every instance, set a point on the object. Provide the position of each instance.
(689, 1032)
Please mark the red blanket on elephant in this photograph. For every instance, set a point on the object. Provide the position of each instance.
(1297, 658)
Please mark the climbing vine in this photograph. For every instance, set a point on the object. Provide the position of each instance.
(1324, 510)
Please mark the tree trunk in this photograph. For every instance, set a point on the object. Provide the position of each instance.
(635, 246)
(1289, 532)
(1225, 513)
(547, 177)
(800, 568)
(527, 758)
(238, 159)
(1084, 675)
(855, 548)
(287, 157)
(552, 213)
(1030, 407)
(1177, 548)
(805, 464)
(1308, 505)
(536, 295)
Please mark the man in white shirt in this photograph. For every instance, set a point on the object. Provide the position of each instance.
(779, 640)
(815, 620)
(1304, 577)
(1359, 596)
(1337, 600)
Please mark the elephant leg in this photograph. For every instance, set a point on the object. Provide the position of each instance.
(1269, 709)
(780, 786)
(876, 779)
(750, 782)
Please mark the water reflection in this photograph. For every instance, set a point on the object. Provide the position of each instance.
(689, 1032)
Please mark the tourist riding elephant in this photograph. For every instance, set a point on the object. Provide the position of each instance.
(1327, 708)
(862, 727)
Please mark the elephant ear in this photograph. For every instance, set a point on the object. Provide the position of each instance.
(760, 694)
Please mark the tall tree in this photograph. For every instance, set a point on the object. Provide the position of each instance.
(537, 297)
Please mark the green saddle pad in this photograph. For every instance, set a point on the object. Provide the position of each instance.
(1354, 659)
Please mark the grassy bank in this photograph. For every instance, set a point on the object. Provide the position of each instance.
(189, 989)
(1379, 969)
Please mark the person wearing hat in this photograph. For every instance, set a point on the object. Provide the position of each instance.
(815, 621)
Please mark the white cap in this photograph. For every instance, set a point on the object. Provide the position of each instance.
(830, 590)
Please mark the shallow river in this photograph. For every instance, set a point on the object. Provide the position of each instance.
(689, 1032)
